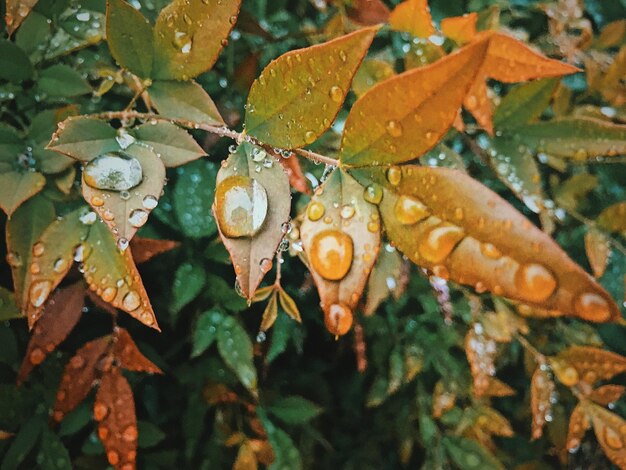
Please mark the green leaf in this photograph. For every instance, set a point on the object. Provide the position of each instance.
(281, 334)
(73, 34)
(61, 80)
(298, 95)
(84, 138)
(34, 31)
(23, 229)
(193, 197)
(189, 280)
(76, 420)
(577, 138)
(189, 35)
(172, 144)
(18, 186)
(41, 129)
(205, 331)
(14, 63)
(524, 103)
(286, 454)
(184, 100)
(129, 35)
(52, 454)
(23, 443)
(235, 347)
(444, 156)
(468, 454)
(149, 434)
(294, 410)
(8, 307)
(11, 145)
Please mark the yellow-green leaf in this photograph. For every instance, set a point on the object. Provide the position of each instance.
(289, 305)
(298, 95)
(184, 100)
(598, 251)
(270, 313)
(189, 35)
(389, 278)
(83, 138)
(18, 186)
(524, 103)
(613, 218)
(173, 145)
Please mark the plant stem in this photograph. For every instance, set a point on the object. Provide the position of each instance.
(222, 131)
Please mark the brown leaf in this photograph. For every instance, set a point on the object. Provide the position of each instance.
(460, 29)
(542, 389)
(598, 251)
(497, 388)
(390, 276)
(59, 317)
(114, 410)
(297, 180)
(610, 431)
(289, 305)
(78, 377)
(270, 313)
(443, 399)
(341, 236)
(578, 425)
(493, 423)
(481, 352)
(367, 12)
(592, 364)
(129, 356)
(613, 218)
(144, 249)
(412, 16)
(246, 457)
(449, 223)
(16, 13)
(607, 394)
(251, 208)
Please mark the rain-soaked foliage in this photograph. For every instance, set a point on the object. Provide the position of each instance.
(313, 234)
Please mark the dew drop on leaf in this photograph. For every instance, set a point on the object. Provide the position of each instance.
(490, 251)
(131, 301)
(394, 128)
(439, 242)
(265, 264)
(182, 42)
(592, 306)
(373, 193)
(309, 137)
(240, 206)
(38, 249)
(338, 319)
(315, 211)
(394, 176)
(409, 210)
(535, 282)
(138, 217)
(336, 94)
(108, 294)
(60, 265)
(331, 254)
(347, 211)
(150, 202)
(39, 292)
(113, 171)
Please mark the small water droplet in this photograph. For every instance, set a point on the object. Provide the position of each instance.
(138, 218)
(409, 210)
(315, 211)
(394, 175)
(39, 292)
(336, 94)
(394, 128)
(347, 211)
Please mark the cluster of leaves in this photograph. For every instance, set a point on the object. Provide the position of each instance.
(400, 110)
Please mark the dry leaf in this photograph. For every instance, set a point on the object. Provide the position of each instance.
(443, 399)
(270, 313)
(16, 13)
(481, 353)
(367, 12)
(607, 394)
(289, 305)
(389, 276)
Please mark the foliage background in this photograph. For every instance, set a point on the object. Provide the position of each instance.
(379, 418)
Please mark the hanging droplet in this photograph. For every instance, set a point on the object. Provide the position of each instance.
(261, 337)
(331, 254)
(394, 128)
(394, 176)
(122, 243)
(440, 242)
(592, 307)
(338, 319)
(39, 292)
(315, 211)
(138, 218)
(131, 301)
(113, 171)
(347, 211)
(535, 282)
(149, 202)
(373, 193)
(409, 210)
(14, 260)
(240, 206)
(336, 94)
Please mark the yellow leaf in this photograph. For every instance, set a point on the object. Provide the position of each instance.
(598, 251)
(578, 425)
(610, 431)
(412, 16)
(289, 305)
(592, 364)
(460, 29)
(542, 389)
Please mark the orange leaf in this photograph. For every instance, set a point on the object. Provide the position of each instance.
(607, 394)
(443, 399)
(297, 180)
(129, 356)
(593, 364)
(542, 389)
(451, 224)
(78, 377)
(367, 12)
(16, 13)
(114, 409)
(420, 106)
(341, 236)
(598, 251)
(144, 249)
(578, 425)
(460, 29)
(497, 388)
(60, 315)
(413, 16)
(610, 431)
(481, 352)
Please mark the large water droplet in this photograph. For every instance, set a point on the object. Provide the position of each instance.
(130, 434)
(535, 282)
(394, 175)
(38, 249)
(138, 218)
(39, 292)
(60, 265)
(440, 242)
(150, 202)
(331, 254)
(109, 293)
(113, 171)
(409, 210)
(373, 193)
(241, 206)
(592, 306)
(338, 319)
(315, 211)
(131, 301)
(347, 211)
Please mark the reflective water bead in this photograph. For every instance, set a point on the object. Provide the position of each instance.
(240, 206)
(331, 254)
(113, 171)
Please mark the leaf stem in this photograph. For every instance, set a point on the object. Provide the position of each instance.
(222, 131)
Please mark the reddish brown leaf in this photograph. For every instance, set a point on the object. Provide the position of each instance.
(413, 16)
(16, 13)
(297, 180)
(593, 364)
(78, 377)
(542, 389)
(610, 431)
(460, 29)
(578, 425)
(60, 315)
(367, 12)
(114, 409)
(481, 352)
(607, 394)
(129, 356)
(144, 249)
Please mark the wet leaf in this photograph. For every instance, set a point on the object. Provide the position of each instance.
(129, 35)
(613, 218)
(16, 12)
(270, 313)
(607, 394)
(481, 352)
(467, 453)
(235, 348)
(205, 331)
(193, 197)
(58, 319)
(542, 390)
(189, 35)
(125, 211)
(578, 425)
(294, 410)
(184, 100)
(144, 249)
(422, 52)
(442, 155)
(84, 138)
(289, 305)
(598, 251)
(298, 95)
(460, 29)
(417, 114)
(129, 356)
(575, 189)
(371, 72)
(189, 279)
(483, 241)
(489, 420)
(367, 12)
(14, 63)
(252, 204)
(62, 81)
(78, 377)
(341, 237)
(592, 364)
(609, 429)
(42, 127)
(389, 277)
(173, 145)
(246, 458)
(24, 441)
(412, 16)
(112, 274)
(114, 410)
(53, 455)
(8, 307)
(443, 400)
(17, 187)
(286, 454)
(524, 103)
